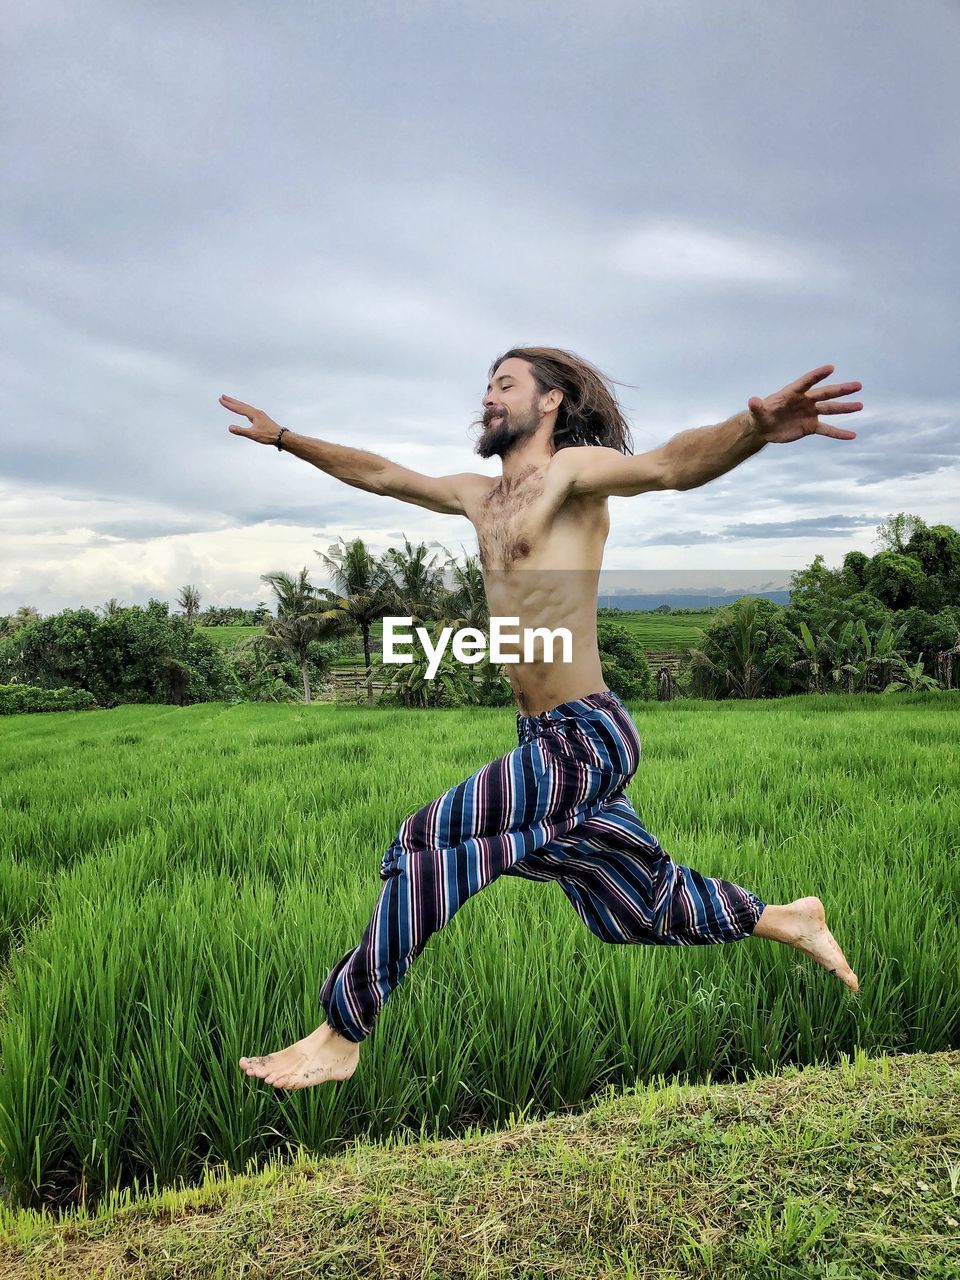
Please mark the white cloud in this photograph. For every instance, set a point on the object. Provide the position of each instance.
(681, 252)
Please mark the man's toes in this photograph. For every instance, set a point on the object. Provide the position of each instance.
(255, 1066)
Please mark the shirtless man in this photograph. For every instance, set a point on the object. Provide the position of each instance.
(541, 527)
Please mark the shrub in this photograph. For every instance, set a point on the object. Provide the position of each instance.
(19, 699)
(132, 655)
(625, 666)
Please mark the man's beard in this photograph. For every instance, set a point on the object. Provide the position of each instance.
(501, 439)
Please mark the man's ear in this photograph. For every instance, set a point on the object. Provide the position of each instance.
(554, 399)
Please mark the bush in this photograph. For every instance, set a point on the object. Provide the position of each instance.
(744, 652)
(19, 699)
(927, 634)
(132, 655)
(625, 666)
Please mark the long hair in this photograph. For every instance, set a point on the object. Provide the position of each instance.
(589, 412)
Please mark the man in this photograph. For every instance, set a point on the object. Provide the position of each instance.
(554, 808)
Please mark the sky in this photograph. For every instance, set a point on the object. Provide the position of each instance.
(342, 214)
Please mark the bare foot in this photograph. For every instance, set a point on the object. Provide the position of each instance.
(320, 1056)
(806, 929)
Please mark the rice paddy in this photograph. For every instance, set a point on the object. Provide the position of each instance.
(175, 883)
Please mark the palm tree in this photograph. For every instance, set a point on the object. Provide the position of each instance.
(362, 592)
(189, 600)
(815, 661)
(452, 682)
(300, 620)
(112, 607)
(467, 606)
(467, 600)
(841, 656)
(26, 613)
(418, 589)
(835, 657)
(741, 641)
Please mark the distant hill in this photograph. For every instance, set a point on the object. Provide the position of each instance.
(635, 600)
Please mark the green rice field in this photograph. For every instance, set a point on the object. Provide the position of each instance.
(659, 632)
(228, 636)
(176, 882)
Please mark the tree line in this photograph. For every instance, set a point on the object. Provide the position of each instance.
(877, 623)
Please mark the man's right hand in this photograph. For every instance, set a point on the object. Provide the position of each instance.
(264, 430)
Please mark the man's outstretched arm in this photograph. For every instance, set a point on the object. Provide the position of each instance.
(356, 467)
(695, 457)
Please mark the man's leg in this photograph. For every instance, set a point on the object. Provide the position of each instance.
(442, 855)
(626, 889)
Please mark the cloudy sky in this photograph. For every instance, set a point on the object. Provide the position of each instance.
(343, 213)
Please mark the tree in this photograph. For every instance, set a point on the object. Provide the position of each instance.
(938, 551)
(927, 633)
(466, 605)
(302, 617)
(262, 670)
(946, 660)
(131, 655)
(417, 589)
(855, 569)
(881, 653)
(451, 685)
(112, 606)
(361, 595)
(896, 579)
(732, 655)
(26, 613)
(854, 659)
(811, 664)
(894, 532)
(912, 678)
(817, 584)
(189, 601)
(624, 662)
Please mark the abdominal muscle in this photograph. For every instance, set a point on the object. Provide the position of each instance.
(556, 587)
(548, 599)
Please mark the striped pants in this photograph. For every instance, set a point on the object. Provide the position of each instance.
(554, 808)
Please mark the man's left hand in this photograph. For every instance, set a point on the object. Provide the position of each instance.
(794, 412)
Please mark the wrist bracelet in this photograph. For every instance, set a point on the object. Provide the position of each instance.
(279, 438)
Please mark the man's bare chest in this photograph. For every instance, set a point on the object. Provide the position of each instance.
(511, 524)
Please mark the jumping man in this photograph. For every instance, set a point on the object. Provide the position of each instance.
(555, 807)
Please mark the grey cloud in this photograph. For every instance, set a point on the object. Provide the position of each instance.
(342, 220)
(833, 526)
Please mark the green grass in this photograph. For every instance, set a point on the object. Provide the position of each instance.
(175, 884)
(228, 636)
(658, 632)
(852, 1171)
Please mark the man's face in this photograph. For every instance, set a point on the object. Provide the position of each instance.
(511, 410)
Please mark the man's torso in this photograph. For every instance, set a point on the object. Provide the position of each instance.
(541, 551)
